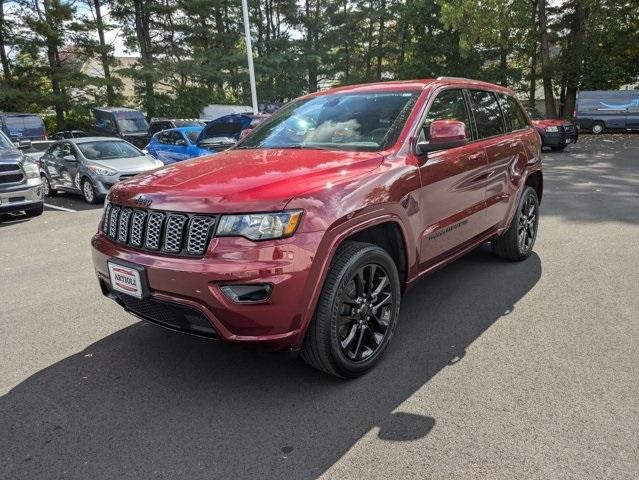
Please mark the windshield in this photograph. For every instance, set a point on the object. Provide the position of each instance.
(5, 143)
(132, 123)
(193, 134)
(535, 114)
(108, 150)
(366, 121)
(189, 123)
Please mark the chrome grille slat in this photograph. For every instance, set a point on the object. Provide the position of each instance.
(198, 237)
(167, 232)
(137, 228)
(174, 233)
(113, 221)
(123, 225)
(153, 230)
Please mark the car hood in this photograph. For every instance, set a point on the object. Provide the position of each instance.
(244, 180)
(549, 122)
(128, 165)
(11, 156)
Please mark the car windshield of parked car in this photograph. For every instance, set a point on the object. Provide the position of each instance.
(5, 143)
(535, 114)
(132, 123)
(108, 150)
(193, 134)
(363, 121)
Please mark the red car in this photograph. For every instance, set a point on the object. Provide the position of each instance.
(305, 235)
(555, 133)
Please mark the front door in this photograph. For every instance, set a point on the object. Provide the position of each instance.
(452, 184)
(68, 166)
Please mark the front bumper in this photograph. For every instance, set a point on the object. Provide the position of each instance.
(22, 196)
(194, 283)
(103, 183)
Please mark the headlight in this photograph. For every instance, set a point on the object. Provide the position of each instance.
(260, 226)
(552, 129)
(31, 170)
(102, 170)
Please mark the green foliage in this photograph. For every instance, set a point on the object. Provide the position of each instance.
(192, 52)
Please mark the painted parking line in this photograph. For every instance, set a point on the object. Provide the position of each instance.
(55, 207)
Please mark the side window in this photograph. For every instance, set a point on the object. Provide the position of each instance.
(448, 105)
(54, 150)
(174, 137)
(515, 118)
(66, 149)
(163, 138)
(487, 113)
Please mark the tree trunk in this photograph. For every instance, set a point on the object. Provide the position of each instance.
(104, 55)
(503, 57)
(577, 55)
(533, 57)
(546, 74)
(142, 23)
(53, 58)
(6, 67)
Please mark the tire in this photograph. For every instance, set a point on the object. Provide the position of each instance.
(35, 212)
(597, 128)
(46, 187)
(510, 246)
(88, 192)
(558, 148)
(348, 335)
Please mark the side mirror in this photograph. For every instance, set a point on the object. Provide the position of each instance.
(245, 133)
(181, 143)
(24, 144)
(444, 134)
(69, 158)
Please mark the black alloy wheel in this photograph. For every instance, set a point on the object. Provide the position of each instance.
(356, 313)
(365, 307)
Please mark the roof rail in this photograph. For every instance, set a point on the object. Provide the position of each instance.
(458, 78)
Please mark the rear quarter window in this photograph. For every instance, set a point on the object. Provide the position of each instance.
(513, 114)
(487, 113)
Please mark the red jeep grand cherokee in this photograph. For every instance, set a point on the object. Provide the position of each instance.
(304, 236)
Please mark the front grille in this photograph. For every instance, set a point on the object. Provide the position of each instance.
(10, 173)
(168, 314)
(167, 232)
(569, 129)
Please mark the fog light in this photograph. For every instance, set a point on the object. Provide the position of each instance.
(255, 292)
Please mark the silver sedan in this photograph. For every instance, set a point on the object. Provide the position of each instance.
(91, 166)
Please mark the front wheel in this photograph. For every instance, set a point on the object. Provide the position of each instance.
(518, 241)
(88, 192)
(558, 148)
(46, 187)
(356, 313)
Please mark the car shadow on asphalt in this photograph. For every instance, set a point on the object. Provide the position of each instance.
(148, 403)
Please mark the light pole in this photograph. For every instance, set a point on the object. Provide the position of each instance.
(249, 54)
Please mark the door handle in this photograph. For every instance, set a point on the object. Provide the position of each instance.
(477, 156)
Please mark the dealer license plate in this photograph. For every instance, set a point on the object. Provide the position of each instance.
(125, 279)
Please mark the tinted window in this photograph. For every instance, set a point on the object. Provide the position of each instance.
(515, 119)
(448, 105)
(487, 113)
(367, 121)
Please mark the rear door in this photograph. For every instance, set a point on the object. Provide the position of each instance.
(504, 149)
(452, 191)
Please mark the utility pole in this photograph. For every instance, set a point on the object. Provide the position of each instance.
(249, 55)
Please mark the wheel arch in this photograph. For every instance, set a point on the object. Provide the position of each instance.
(536, 181)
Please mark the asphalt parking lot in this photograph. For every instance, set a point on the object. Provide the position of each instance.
(498, 370)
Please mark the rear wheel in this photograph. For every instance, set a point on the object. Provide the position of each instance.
(356, 313)
(597, 128)
(88, 191)
(518, 241)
